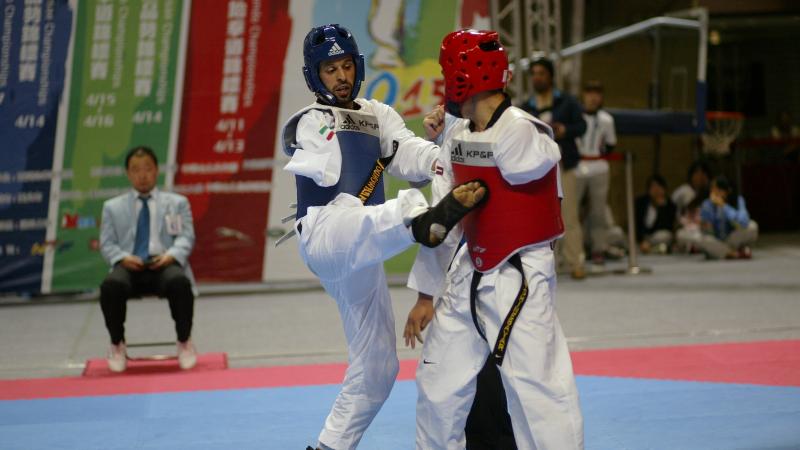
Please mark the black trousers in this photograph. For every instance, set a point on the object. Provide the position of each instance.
(489, 424)
(170, 282)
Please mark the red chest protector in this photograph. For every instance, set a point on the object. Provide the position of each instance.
(514, 216)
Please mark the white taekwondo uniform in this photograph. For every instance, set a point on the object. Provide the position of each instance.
(345, 243)
(536, 368)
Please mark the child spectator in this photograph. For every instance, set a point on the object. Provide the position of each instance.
(727, 229)
(690, 233)
(697, 180)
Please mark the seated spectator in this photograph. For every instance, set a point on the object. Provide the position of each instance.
(697, 181)
(655, 217)
(690, 233)
(146, 237)
(728, 231)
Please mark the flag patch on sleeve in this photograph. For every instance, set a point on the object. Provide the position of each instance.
(326, 132)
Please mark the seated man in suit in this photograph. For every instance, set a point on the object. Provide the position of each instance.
(146, 237)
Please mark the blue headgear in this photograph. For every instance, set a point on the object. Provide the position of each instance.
(324, 43)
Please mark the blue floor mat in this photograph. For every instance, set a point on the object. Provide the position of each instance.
(619, 414)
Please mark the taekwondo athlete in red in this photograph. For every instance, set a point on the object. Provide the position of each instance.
(495, 295)
(339, 147)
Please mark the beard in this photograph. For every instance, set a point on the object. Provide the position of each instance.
(343, 92)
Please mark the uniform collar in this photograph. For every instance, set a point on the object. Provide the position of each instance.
(356, 105)
(496, 114)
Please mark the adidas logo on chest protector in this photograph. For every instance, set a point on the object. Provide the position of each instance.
(335, 50)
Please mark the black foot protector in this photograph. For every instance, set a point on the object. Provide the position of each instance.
(430, 228)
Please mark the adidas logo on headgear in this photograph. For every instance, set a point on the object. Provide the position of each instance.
(335, 50)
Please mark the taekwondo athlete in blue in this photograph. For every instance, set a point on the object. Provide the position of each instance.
(339, 147)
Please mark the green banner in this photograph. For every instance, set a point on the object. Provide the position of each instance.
(124, 72)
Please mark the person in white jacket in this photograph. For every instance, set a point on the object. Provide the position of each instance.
(339, 147)
(494, 293)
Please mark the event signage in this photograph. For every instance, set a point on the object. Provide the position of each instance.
(34, 38)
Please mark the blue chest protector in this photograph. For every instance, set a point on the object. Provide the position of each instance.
(359, 142)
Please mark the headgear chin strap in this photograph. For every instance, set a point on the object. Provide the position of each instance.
(327, 42)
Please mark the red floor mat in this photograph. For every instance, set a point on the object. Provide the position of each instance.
(775, 363)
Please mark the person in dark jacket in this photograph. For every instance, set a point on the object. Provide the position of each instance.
(655, 217)
(563, 112)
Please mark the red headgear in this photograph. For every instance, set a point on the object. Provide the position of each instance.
(472, 61)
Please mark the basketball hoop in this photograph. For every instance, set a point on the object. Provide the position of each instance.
(722, 128)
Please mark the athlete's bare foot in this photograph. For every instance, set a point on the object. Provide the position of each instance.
(469, 194)
(431, 228)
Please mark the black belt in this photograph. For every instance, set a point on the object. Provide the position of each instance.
(503, 335)
(375, 174)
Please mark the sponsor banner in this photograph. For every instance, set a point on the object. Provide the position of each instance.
(230, 120)
(125, 66)
(34, 36)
